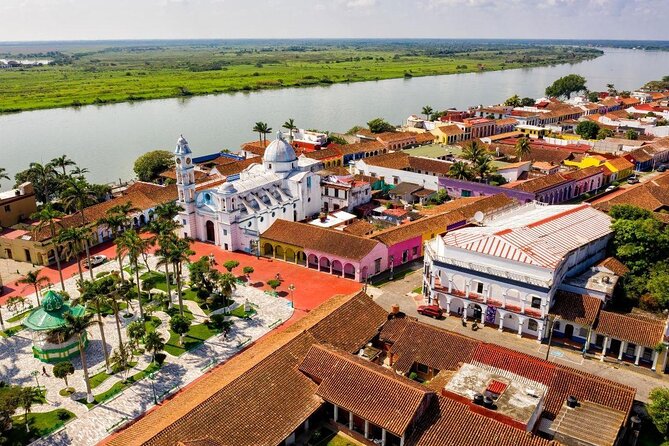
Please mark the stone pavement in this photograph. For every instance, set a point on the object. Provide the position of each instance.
(11, 270)
(93, 425)
(400, 292)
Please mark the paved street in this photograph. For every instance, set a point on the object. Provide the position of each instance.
(398, 292)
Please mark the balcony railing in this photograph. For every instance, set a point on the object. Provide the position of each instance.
(429, 252)
(478, 298)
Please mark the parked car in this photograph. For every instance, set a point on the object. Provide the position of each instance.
(633, 180)
(610, 188)
(96, 260)
(431, 311)
(662, 167)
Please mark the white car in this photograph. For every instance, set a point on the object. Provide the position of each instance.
(96, 260)
(610, 188)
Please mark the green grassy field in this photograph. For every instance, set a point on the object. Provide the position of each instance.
(99, 74)
(40, 424)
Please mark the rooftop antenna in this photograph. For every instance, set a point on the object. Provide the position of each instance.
(479, 217)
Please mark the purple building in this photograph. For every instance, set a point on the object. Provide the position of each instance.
(461, 188)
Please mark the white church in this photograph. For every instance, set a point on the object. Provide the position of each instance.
(233, 214)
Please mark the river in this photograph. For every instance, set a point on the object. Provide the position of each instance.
(106, 139)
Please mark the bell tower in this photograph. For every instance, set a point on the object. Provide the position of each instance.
(185, 172)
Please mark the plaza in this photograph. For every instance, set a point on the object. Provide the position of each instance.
(18, 364)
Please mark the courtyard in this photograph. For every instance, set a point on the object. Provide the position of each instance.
(121, 397)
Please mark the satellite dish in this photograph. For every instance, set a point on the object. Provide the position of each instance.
(479, 216)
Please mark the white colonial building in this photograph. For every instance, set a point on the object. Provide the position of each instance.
(231, 213)
(506, 270)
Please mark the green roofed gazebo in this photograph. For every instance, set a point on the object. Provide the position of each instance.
(50, 316)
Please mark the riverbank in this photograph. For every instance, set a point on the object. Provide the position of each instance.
(128, 74)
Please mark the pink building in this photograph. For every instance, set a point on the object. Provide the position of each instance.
(327, 250)
(586, 180)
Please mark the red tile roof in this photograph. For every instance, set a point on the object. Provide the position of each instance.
(614, 265)
(438, 349)
(579, 308)
(370, 391)
(315, 238)
(641, 331)
(452, 423)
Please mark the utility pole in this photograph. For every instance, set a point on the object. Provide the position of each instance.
(550, 335)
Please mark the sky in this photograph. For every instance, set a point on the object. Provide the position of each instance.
(30, 20)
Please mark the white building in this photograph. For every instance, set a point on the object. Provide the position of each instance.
(507, 270)
(344, 192)
(233, 213)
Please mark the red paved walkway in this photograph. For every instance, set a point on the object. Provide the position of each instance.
(311, 287)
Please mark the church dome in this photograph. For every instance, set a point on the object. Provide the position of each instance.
(52, 301)
(182, 146)
(227, 188)
(279, 151)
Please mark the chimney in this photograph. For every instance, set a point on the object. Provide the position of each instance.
(488, 403)
(478, 399)
(572, 402)
(395, 309)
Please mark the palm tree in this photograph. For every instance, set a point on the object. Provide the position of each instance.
(177, 252)
(117, 220)
(3, 174)
(62, 162)
(42, 176)
(131, 244)
(77, 196)
(154, 343)
(91, 293)
(262, 128)
(26, 400)
(290, 126)
(49, 218)
(79, 172)
(74, 239)
(427, 111)
(33, 279)
(523, 148)
(483, 167)
(473, 151)
(460, 171)
(78, 326)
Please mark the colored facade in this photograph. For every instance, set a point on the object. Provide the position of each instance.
(506, 272)
(233, 214)
(326, 250)
(461, 188)
(17, 205)
(48, 317)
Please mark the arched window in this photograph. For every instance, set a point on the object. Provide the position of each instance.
(532, 325)
(556, 325)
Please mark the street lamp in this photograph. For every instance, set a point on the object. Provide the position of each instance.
(291, 288)
(152, 377)
(550, 334)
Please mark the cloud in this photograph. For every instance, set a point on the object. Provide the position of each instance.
(360, 3)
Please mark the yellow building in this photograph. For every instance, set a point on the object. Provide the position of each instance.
(17, 205)
(587, 161)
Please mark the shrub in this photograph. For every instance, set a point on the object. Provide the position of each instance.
(101, 274)
(274, 283)
(230, 265)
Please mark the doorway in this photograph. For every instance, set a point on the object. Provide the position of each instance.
(211, 236)
(568, 331)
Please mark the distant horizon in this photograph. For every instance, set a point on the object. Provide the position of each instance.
(288, 39)
(101, 20)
